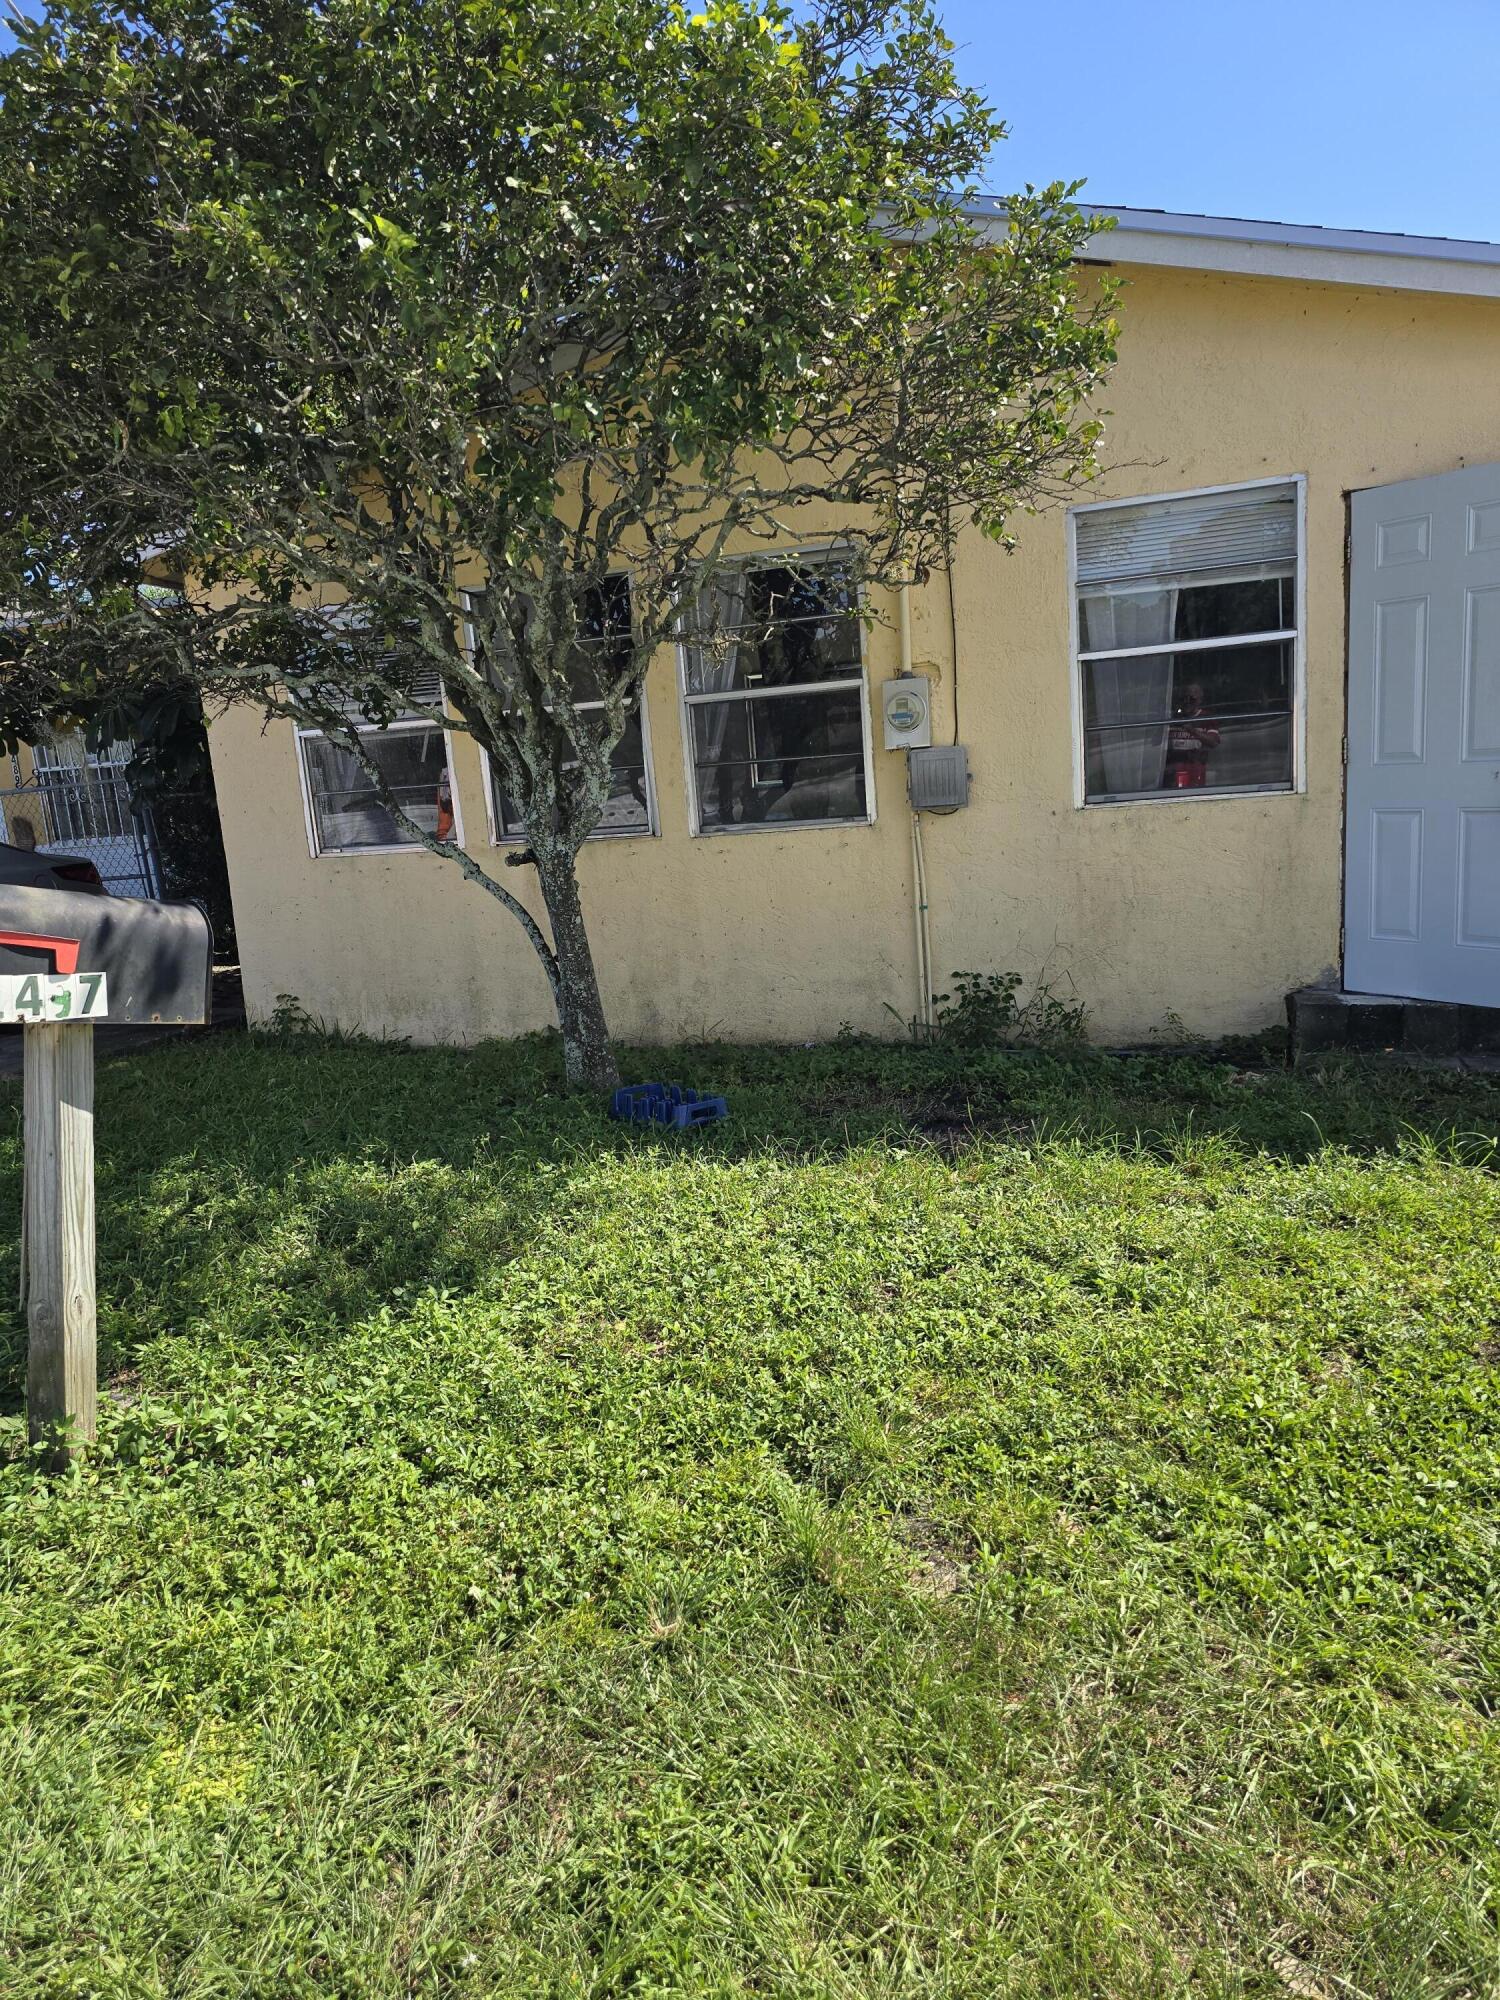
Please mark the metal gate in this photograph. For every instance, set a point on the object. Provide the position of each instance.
(77, 801)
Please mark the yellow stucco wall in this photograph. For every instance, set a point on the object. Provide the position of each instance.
(1210, 909)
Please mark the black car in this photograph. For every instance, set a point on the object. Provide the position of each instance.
(28, 868)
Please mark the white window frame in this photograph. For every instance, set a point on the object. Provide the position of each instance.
(777, 559)
(650, 831)
(492, 787)
(315, 847)
(1077, 658)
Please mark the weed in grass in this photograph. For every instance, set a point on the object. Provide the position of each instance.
(983, 1011)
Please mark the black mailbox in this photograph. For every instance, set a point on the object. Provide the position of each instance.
(156, 958)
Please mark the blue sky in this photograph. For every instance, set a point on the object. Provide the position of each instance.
(1359, 114)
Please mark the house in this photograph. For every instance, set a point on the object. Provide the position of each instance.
(1232, 720)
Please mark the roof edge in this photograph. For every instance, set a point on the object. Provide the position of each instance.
(1283, 250)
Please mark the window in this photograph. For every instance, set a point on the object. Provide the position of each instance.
(631, 805)
(345, 814)
(1188, 643)
(773, 684)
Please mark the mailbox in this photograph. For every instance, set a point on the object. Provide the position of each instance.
(67, 960)
(156, 959)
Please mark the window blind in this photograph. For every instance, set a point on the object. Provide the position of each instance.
(1211, 531)
(423, 684)
(423, 690)
(424, 687)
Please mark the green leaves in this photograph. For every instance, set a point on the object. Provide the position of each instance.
(365, 303)
(336, 213)
(378, 234)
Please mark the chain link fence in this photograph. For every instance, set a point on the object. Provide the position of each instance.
(77, 803)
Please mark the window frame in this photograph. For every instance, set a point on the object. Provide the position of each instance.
(824, 553)
(315, 848)
(1297, 481)
(496, 822)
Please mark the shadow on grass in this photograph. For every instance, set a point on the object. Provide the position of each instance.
(318, 1179)
(846, 1093)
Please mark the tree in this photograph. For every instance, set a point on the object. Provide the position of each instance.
(326, 313)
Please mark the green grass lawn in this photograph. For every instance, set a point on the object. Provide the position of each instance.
(977, 1525)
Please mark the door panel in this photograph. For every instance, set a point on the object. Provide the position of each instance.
(1479, 878)
(1396, 900)
(1482, 676)
(1400, 680)
(1422, 903)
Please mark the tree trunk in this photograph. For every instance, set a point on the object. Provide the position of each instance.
(588, 1056)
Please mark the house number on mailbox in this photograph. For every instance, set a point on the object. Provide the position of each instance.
(34, 997)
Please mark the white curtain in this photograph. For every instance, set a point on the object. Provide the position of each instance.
(1132, 698)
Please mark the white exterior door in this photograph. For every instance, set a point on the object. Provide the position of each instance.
(1422, 882)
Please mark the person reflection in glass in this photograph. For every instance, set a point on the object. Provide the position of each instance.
(1192, 735)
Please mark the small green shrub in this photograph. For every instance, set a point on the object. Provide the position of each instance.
(290, 1017)
(983, 1011)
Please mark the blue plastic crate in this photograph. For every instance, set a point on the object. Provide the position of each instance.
(666, 1104)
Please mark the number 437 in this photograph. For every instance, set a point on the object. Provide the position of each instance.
(70, 997)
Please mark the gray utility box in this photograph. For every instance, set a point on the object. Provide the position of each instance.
(937, 779)
(157, 958)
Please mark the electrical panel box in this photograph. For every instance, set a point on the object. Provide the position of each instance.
(937, 779)
(906, 708)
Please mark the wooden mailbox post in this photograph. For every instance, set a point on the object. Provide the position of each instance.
(67, 960)
(57, 1236)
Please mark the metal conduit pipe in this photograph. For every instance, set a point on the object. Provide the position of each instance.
(921, 924)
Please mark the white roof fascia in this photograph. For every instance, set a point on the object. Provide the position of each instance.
(1285, 250)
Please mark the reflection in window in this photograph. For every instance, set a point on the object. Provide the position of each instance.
(1187, 626)
(628, 809)
(601, 654)
(347, 810)
(773, 674)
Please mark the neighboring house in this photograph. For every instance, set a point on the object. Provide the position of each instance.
(65, 797)
(1297, 546)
